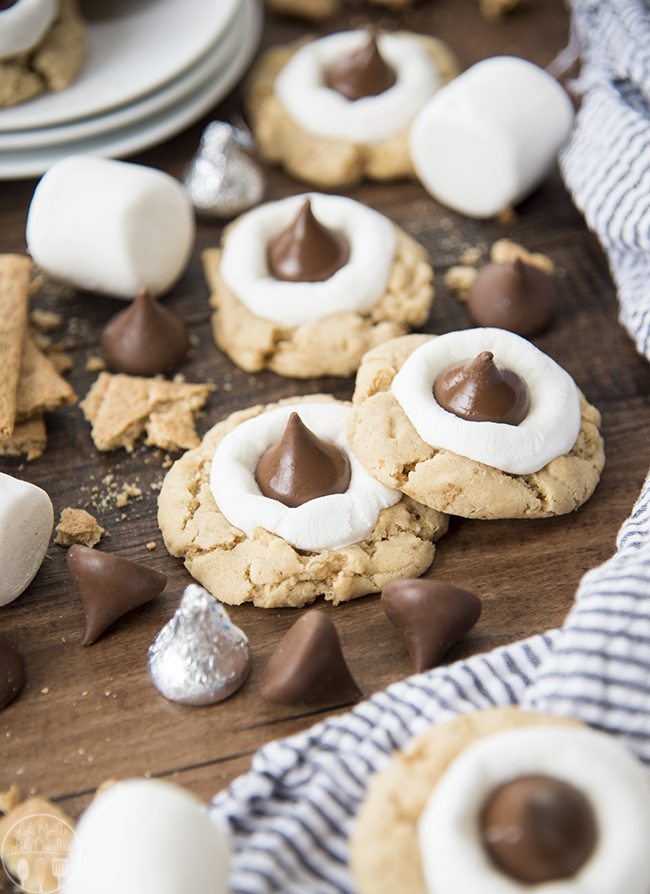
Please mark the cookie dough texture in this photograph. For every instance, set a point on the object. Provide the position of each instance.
(327, 163)
(334, 345)
(384, 441)
(266, 570)
(384, 849)
(50, 66)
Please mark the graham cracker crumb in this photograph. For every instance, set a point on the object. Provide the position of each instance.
(45, 320)
(128, 491)
(506, 216)
(151, 546)
(78, 526)
(459, 281)
(504, 251)
(471, 256)
(494, 9)
(95, 364)
(122, 408)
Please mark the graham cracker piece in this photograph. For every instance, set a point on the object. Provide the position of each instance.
(459, 280)
(505, 250)
(172, 430)
(78, 526)
(40, 388)
(120, 408)
(15, 272)
(36, 820)
(29, 439)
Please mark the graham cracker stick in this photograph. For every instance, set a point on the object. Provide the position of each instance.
(15, 272)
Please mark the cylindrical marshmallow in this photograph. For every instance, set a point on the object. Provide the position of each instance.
(23, 25)
(26, 521)
(487, 139)
(109, 226)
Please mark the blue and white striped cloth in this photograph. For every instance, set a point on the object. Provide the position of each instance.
(290, 816)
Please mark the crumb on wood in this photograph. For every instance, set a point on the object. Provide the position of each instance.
(78, 526)
(505, 250)
(95, 364)
(128, 492)
(46, 320)
(151, 546)
(459, 281)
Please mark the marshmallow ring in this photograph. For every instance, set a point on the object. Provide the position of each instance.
(549, 430)
(356, 286)
(325, 113)
(615, 783)
(330, 522)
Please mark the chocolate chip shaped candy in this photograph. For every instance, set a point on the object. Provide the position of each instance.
(308, 666)
(145, 339)
(26, 522)
(431, 616)
(199, 657)
(110, 587)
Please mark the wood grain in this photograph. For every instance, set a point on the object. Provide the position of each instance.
(89, 714)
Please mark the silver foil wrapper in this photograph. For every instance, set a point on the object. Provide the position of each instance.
(199, 657)
(222, 179)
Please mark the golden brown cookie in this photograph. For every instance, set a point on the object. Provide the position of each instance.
(384, 849)
(322, 162)
(386, 443)
(50, 66)
(266, 570)
(331, 346)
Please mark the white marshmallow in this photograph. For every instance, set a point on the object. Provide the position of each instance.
(24, 24)
(26, 521)
(549, 430)
(109, 226)
(357, 286)
(331, 522)
(323, 112)
(143, 836)
(615, 783)
(487, 139)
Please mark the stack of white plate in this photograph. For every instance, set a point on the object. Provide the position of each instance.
(151, 71)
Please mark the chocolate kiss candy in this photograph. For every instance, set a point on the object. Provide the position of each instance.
(308, 665)
(307, 251)
(199, 657)
(514, 296)
(110, 587)
(362, 73)
(538, 829)
(12, 672)
(145, 339)
(431, 616)
(480, 391)
(302, 467)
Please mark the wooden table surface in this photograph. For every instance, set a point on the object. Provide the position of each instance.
(88, 714)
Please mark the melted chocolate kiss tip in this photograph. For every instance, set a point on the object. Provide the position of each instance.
(307, 250)
(302, 467)
(12, 672)
(514, 296)
(480, 391)
(110, 586)
(145, 339)
(308, 665)
(538, 828)
(431, 616)
(361, 73)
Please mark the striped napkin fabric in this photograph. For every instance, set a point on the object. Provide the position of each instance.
(290, 816)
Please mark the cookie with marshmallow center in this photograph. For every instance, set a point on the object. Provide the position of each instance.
(273, 509)
(337, 109)
(478, 423)
(306, 285)
(504, 801)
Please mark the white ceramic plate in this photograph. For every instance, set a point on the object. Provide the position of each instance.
(148, 45)
(217, 60)
(159, 127)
